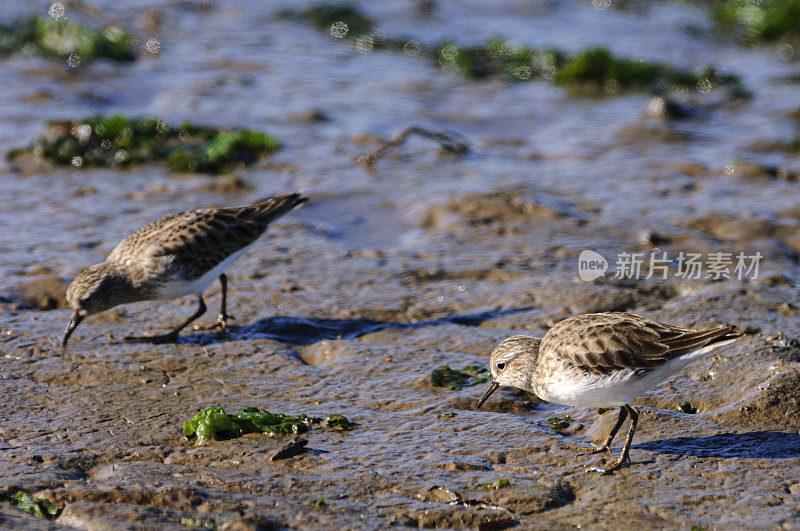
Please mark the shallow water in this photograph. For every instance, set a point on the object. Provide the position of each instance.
(393, 270)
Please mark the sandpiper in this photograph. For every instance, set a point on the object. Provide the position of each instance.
(601, 360)
(172, 257)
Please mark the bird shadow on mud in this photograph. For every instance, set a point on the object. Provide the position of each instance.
(753, 445)
(305, 330)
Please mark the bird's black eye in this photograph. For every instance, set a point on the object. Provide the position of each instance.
(501, 366)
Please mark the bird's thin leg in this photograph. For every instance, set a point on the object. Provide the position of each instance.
(223, 317)
(623, 413)
(629, 439)
(626, 449)
(172, 335)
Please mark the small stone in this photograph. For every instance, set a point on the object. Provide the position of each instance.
(496, 457)
(294, 447)
(312, 116)
(653, 238)
(460, 466)
(437, 494)
(250, 523)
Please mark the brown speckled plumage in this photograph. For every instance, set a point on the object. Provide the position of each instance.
(174, 256)
(601, 360)
(194, 242)
(604, 342)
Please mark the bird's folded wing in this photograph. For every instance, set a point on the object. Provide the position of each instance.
(207, 236)
(608, 342)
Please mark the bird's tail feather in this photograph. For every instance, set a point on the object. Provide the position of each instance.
(274, 207)
(715, 337)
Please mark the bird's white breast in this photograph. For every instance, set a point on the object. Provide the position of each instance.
(573, 387)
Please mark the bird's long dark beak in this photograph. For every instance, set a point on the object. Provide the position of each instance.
(488, 393)
(73, 324)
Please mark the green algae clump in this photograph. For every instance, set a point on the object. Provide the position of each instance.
(757, 22)
(688, 408)
(591, 72)
(319, 502)
(495, 485)
(225, 150)
(559, 423)
(323, 16)
(597, 69)
(120, 141)
(594, 71)
(598, 66)
(39, 506)
(60, 39)
(454, 379)
(214, 423)
(498, 58)
(338, 422)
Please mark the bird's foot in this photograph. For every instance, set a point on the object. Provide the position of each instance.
(155, 339)
(221, 325)
(222, 321)
(600, 449)
(591, 449)
(621, 462)
(610, 470)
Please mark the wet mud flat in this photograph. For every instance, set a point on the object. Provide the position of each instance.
(97, 430)
(421, 260)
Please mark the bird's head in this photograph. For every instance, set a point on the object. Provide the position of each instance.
(512, 363)
(95, 289)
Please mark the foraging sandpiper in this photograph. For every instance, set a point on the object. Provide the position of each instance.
(172, 257)
(601, 360)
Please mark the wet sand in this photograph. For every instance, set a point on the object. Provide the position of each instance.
(389, 272)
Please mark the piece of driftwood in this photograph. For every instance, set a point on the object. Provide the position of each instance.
(450, 142)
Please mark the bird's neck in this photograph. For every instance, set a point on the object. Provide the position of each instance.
(531, 366)
(124, 290)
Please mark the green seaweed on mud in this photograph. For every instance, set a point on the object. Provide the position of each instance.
(323, 16)
(686, 407)
(591, 72)
(455, 379)
(225, 150)
(61, 39)
(338, 422)
(319, 502)
(597, 69)
(756, 22)
(559, 423)
(600, 67)
(209, 522)
(214, 423)
(602, 410)
(192, 520)
(121, 141)
(495, 485)
(41, 507)
(202, 522)
(498, 58)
